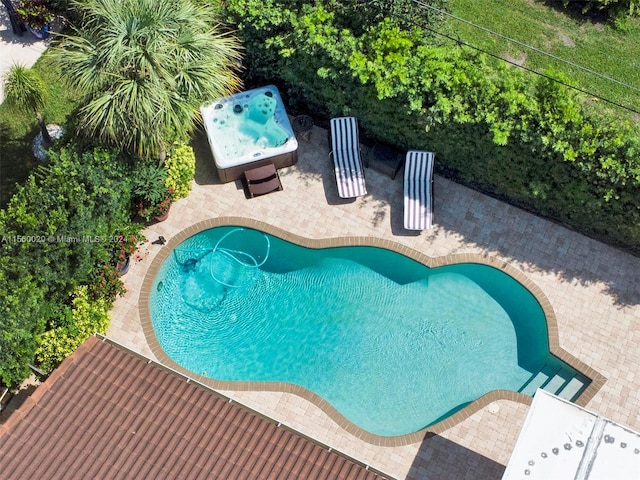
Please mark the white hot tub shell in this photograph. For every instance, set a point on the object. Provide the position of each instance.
(247, 130)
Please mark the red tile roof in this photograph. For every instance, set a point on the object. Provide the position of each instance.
(107, 413)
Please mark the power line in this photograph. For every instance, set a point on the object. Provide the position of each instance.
(460, 42)
(537, 50)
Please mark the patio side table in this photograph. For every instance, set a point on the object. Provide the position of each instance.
(302, 126)
(386, 159)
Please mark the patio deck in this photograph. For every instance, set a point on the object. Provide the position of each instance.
(592, 287)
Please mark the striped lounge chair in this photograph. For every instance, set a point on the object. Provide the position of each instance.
(345, 150)
(418, 190)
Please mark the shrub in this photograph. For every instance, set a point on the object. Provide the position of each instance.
(152, 197)
(55, 229)
(86, 317)
(611, 8)
(181, 169)
(105, 283)
(21, 319)
(125, 241)
(62, 206)
(35, 13)
(526, 140)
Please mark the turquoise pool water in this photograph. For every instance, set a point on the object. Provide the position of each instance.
(393, 345)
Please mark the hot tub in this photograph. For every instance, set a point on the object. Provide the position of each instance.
(248, 130)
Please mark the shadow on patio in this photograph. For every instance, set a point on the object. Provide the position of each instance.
(439, 458)
(479, 221)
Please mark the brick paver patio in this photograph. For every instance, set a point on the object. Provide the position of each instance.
(593, 289)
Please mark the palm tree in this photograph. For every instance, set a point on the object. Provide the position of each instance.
(146, 66)
(24, 89)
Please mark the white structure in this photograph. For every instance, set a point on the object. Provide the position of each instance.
(562, 441)
(248, 130)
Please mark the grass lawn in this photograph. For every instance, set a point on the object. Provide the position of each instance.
(18, 129)
(596, 46)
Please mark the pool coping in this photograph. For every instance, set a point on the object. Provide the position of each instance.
(597, 379)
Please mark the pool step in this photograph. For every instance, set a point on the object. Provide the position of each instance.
(574, 387)
(539, 380)
(558, 381)
(564, 382)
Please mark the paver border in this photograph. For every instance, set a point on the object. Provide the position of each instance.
(597, 379)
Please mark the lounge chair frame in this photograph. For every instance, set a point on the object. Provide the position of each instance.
(345, 151)
(418, 190)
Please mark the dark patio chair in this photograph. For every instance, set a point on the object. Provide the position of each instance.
(262, 180)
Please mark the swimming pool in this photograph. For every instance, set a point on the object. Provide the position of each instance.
(392, 345)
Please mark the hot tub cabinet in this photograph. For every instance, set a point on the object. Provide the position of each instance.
(248, 130)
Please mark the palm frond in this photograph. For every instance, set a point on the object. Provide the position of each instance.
(146, 66)
(24, 89)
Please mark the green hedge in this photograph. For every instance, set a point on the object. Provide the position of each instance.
(21, 317)
(611, 8)
(86, 317)
(181, 169)
(57, 235)
(63, 234)
(523, 138)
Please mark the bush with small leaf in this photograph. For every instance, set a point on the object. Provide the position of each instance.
(69, 208)
(525, 139)
(86, 316)
(181, 169)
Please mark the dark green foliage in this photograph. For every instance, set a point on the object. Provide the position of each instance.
(404, 13)
(35, 13)
(21, 317)
(149, 184)
(152, 195)
(59, 207)
(56, 230)
(611, 8)
(358, 15)
(525, 139)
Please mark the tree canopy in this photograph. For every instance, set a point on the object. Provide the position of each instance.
(145, 67)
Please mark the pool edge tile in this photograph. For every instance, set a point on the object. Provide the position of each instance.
(597, 380)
